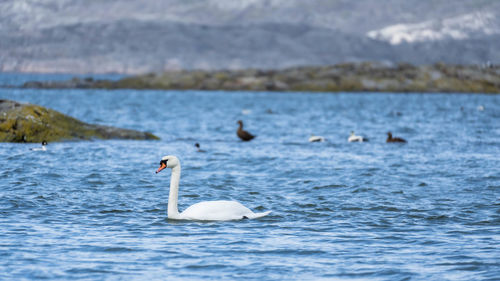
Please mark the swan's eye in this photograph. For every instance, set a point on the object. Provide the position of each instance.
(163, 162)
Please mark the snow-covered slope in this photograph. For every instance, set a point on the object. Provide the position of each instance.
(134, 36)
(456, 28)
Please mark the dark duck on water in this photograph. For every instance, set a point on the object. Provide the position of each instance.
(391, 139)
(242, 134)
(197, 145)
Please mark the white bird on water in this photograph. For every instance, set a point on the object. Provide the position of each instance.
(203, 211)
(43, 148)
(314, 138)
(354, 138)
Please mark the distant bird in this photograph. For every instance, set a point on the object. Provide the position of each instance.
(43, 148)
(246, 111)
(480, 108)
(391, 139)
(354, 138)
(198, 148)
(242, 134)
(314, 138)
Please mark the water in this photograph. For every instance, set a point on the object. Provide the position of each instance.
(426, 210)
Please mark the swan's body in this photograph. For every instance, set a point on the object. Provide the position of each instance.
(314, 138)
(204, 211)
(354, 138)
(219, 211)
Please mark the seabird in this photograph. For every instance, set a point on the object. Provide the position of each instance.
(198, 148)
(314, 138)
(391, 139)
(242, 134)
(354, 138)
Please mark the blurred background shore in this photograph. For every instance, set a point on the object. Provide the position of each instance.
(138, 37)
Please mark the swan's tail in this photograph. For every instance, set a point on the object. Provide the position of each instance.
(259, 215)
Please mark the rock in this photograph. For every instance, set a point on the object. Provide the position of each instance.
(33, 123)
(352, 77)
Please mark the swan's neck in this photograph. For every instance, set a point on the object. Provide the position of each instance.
(173, 195)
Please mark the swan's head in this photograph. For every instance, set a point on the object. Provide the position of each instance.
(169, 161)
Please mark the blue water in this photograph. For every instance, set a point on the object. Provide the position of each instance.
(425, 210)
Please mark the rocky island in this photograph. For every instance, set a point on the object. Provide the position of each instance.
(349, 77)
(33, 123)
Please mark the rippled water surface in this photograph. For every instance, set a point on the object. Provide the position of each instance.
(425, 210)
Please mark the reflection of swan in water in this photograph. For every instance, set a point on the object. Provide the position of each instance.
(43, 148)
(207, 210)
(354, 138)
(314, 138)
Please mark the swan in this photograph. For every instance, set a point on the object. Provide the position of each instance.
(354, 138)
(43, 148)
(314, 138)
(203, 211)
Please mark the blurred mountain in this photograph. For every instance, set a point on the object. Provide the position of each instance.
(137, 36)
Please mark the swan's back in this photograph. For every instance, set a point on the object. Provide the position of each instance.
(219, 210)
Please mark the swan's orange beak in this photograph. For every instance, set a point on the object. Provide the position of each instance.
(162, 166)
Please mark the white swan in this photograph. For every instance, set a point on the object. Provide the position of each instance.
(354, 138)
(204, 211)
(314, 138)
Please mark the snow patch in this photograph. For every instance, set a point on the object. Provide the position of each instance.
(458, 28)
(239, 5)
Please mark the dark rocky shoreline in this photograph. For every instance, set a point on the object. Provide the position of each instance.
(349, 77)
(33, 123)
